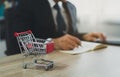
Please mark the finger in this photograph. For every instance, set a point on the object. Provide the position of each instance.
(72, 43)
(65, 43)
(75, 39)
(98, 35)
(93, 39)
(101, 37)
(67, 47)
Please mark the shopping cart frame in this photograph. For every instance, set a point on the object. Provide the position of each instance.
(31, 46)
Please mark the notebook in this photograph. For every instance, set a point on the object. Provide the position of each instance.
(85, 47)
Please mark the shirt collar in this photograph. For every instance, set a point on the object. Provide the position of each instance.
(52, 3)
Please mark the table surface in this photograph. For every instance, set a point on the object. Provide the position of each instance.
(100, 63)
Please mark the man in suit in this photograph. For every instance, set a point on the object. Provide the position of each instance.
(40, 17)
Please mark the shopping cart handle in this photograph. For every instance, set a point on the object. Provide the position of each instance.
(17, 34)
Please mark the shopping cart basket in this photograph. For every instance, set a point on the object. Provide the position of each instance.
(31, 46)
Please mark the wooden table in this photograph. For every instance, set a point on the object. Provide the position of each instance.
(100, 63)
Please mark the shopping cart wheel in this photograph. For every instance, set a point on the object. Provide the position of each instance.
(51, 65)
(47, 68)
(35, 61)
(25, 66)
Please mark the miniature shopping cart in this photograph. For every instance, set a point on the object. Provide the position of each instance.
(31, 46)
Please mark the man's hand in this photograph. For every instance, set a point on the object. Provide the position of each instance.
(66, 42)
(94, 36)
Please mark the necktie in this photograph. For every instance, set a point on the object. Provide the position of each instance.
(59, 19)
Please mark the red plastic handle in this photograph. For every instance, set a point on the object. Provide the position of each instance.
(19, 33)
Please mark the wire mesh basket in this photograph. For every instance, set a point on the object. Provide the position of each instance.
(31, 46)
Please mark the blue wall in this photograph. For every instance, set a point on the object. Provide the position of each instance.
(2, 10)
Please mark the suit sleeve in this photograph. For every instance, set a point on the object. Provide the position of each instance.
(17, 20)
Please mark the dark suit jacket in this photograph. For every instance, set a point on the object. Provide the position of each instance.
(35, 15)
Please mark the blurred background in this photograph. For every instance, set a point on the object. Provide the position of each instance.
(93, 16)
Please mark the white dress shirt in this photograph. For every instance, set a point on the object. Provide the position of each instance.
(54, 12)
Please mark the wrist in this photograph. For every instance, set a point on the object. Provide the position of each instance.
(56, 43)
